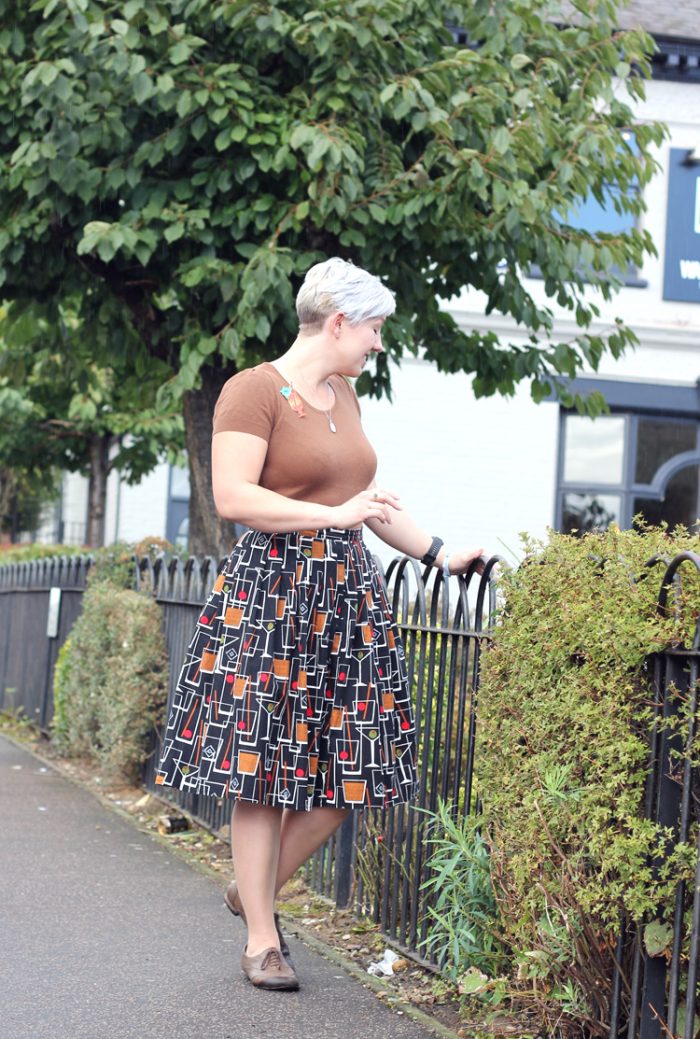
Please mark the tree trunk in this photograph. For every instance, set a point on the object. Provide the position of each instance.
(208, 533)
(97, 489)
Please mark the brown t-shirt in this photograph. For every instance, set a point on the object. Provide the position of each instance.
(305, 460)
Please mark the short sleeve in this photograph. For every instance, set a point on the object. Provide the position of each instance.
(246, 404)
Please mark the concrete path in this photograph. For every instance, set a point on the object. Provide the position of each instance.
(104, 934)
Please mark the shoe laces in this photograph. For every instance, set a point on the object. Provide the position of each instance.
(273, 959)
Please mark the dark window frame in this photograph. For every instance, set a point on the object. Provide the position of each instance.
(633, 402)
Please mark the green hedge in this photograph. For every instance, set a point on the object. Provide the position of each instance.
(111, 676)
(25, 553)
(562, 744)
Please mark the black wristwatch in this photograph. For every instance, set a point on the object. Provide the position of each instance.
(431, 555)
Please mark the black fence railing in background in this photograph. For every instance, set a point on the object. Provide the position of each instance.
(656, 987)
(39, 603)
(376, 863)
(180, 588)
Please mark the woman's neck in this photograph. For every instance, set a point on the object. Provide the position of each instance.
(307, 362)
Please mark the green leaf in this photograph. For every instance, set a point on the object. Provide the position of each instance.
(143, 87)
(681, 1021)
(173, 232)
(519, 61)
(207, 346)
(472, 982)
(501, 140)
(658, 938)
(317, 150)
(179, 53)
(300, 136)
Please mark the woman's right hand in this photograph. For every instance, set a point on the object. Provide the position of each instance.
(375, 503)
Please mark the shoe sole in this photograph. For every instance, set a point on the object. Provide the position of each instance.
(284, 986)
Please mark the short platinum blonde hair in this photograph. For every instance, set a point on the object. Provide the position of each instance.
(338, 285)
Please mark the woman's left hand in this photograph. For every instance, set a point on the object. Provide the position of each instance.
(460, 561)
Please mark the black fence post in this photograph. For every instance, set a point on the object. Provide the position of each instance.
(666, 812)
(344, 841)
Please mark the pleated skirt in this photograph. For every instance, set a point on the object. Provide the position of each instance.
(294, 690)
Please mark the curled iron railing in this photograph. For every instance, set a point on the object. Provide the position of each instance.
(377, 861)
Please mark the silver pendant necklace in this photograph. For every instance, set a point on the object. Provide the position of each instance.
(328, 413)
(329, 416)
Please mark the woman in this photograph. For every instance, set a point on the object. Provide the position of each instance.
(293, 699)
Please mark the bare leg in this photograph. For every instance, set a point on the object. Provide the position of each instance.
(255, 848)
(302, 833)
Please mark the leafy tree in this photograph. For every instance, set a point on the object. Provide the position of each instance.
(61, 409)
(23, 495)
(195, 157)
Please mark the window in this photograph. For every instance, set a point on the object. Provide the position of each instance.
(629, 462)
(588, 214)
(591, 215)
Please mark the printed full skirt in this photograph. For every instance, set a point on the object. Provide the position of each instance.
(294, 690)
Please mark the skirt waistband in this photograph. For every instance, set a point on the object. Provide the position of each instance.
(324, 534)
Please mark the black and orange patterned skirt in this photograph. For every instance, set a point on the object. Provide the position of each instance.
(294, 690)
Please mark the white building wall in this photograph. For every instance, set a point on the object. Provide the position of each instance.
(139, 510)
(475, 473)
(74, 504)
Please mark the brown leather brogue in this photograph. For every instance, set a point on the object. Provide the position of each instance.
(269, 970)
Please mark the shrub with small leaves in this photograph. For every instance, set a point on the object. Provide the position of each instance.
(565, 711)
(111, 678)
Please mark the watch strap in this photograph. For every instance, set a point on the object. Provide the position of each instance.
(431, 555)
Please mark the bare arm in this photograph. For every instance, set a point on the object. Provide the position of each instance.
(407, 537)
(237, 462)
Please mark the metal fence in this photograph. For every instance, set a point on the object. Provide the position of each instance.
(376, 863)
(39, 603)
(655, 989)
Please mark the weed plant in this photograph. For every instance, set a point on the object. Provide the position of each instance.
(464, 931)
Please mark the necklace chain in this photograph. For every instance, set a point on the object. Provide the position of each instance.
(328, 412)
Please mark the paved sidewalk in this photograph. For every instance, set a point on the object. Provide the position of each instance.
(107, 935)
